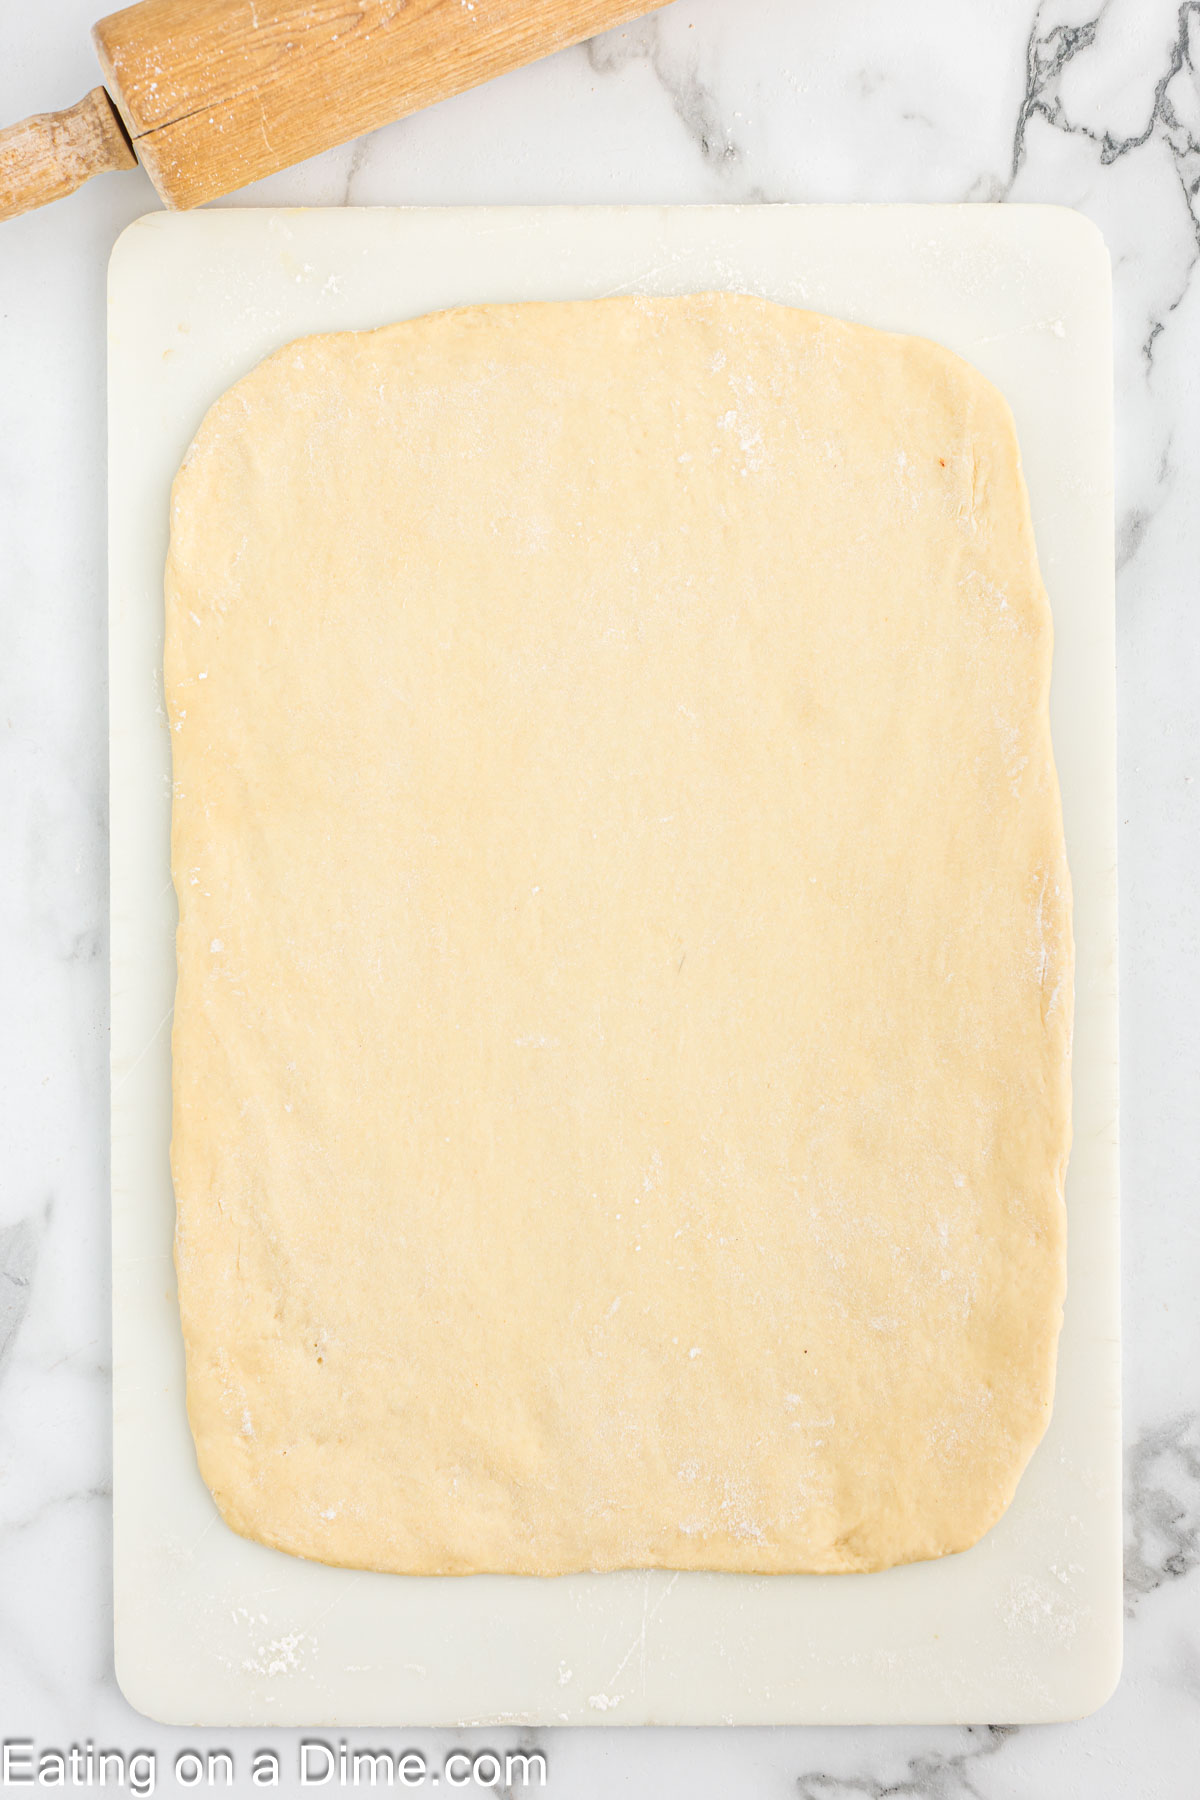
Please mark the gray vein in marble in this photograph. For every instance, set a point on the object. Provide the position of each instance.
(1137, 521)
(932, 1775)
(99, 1490)
(52, 831)
(1047, 57)
(18, 1258)
(693, 101)
(358, 156)
(1132, 533)
(528, 1741)
(1162, 1501)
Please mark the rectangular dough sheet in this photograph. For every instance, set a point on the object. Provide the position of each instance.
(621, 1051)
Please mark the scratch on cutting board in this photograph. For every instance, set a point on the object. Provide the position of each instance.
(337, 1601)
(649, 1613)
(144, 1049)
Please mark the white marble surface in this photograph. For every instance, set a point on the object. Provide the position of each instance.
(1092, 104)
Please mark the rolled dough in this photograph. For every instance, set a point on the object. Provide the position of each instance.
(621, 1052)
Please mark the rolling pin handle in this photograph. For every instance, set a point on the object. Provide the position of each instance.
(52, 154)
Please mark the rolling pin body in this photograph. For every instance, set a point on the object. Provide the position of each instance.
(212, 94)
(218, 93)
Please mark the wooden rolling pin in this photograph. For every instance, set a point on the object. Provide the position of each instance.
(210, 94)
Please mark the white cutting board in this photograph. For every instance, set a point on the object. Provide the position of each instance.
(211, 1629)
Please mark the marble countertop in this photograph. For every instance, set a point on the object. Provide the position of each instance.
(1095, 106)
